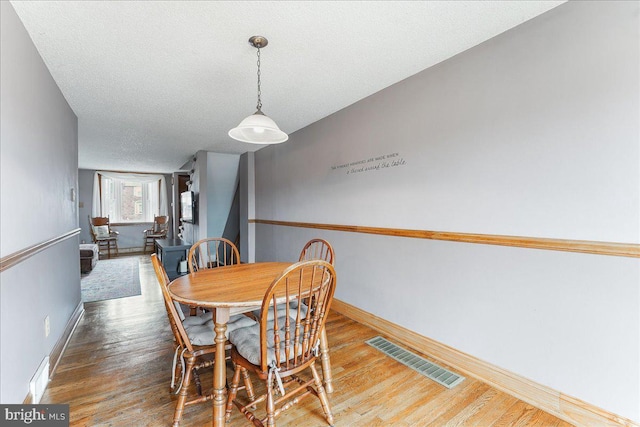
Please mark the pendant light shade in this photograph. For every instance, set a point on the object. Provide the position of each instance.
(258, 128)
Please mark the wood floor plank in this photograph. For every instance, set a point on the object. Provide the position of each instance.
(494, 408)
(117, 367)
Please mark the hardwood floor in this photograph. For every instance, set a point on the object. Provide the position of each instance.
(117, 367)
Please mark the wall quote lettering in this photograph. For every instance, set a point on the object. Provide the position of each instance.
(376, 163)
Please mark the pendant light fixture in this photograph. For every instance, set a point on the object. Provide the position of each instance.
(258, 128)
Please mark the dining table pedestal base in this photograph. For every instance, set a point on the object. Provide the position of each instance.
(220, 367)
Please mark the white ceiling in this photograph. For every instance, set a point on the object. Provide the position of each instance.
(152, 82)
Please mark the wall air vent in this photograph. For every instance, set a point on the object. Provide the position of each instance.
(419, 364)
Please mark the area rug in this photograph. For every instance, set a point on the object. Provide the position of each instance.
(111, 278)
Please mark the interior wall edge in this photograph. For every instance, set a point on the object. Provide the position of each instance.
(631, 250)
(565, 407)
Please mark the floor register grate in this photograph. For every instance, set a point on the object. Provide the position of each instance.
(419, 364)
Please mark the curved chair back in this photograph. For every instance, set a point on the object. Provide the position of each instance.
(160, 225)
(299, 301)
(212, 252)
(317, 249)
(99, 221)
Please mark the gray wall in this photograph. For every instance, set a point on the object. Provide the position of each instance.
(38, 170)
(214, 182)
(222, 178)
(532, 133)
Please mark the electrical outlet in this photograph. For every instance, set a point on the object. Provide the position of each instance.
(47, 326)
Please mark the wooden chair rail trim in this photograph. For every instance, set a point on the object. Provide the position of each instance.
(26, 253)
(565, 407)
(582, 246)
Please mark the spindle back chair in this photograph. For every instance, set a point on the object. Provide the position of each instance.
(277, 350)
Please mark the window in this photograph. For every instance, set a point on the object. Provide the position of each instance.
(129, 201)
(129, 197)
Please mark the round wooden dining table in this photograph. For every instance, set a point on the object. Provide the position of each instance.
(231, 290)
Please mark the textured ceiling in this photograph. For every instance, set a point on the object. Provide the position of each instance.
(154, 82)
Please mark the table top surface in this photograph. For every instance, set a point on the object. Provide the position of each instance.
(241, 285)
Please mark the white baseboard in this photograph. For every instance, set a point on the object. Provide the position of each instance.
(38, 383)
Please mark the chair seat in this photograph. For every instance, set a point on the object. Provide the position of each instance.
(247, 342)
(203, 333)
(156, 236)
(207, 316)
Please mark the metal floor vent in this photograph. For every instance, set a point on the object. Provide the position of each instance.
(419, 364)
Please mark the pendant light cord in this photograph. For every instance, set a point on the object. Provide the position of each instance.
(259, 106)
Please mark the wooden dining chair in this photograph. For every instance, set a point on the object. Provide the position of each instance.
(191, 355)
(278, 350)
(159, 230)
(212, 252)
(321, 249)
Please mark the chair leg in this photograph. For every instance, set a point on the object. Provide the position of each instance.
(271, 407)
(248, 385)
(233, 391)
(322, 394)
(196, 380)
(182, 397)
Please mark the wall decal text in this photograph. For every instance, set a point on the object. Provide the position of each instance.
(376, 163)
